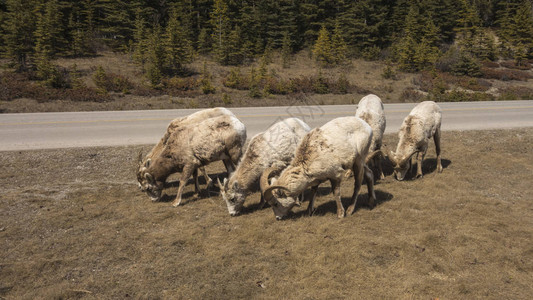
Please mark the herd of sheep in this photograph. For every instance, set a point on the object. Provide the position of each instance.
(289, 156)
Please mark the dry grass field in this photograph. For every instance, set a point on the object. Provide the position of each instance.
(73, 224)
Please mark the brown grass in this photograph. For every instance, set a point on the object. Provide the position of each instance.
(74, 225)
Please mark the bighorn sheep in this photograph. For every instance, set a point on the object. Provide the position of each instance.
(325, 153)
(172, 126)
(422, 123)
(272, 148)
(370, 110)
(193, 146)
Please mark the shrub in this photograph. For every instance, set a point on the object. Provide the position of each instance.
(516, 93)
(467, 66)
(461, 96)
(110, 82)
(236, 80)
(505, 74)
(411, 95)
(512, 65)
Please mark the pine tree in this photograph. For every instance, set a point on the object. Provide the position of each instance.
(418, 47)
(523, 31)
(221, 30)
(139, 39)
(19, 26)
(286, 50)
(338, 46)
(322, 50)
(155, 57)
(178, 47)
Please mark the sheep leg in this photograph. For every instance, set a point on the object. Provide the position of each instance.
(337, 196)
(262, 202)
(333, 185)
(208, 179)
(187, 172)
(378, 160)
(358, 173)
(369, 175)
(196, 182)
(420, 159)
(436, 139)
(310, 209)
(229, 166)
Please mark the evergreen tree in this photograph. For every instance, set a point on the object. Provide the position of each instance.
(286, 50)
(322, 50)
(523, 31)
(178, 47)
(48, 36)
(338, 46)
(140, 39)
(418, 47)
(155, 57)
(19, 26)
(221, 30)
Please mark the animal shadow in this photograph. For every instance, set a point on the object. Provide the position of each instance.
(362, 201)
(429, 165)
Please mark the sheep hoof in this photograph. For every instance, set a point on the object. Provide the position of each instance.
(371, 203)
(350, 210)
(340, 214)
(176, 203)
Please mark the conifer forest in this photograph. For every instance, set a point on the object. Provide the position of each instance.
(162, 37)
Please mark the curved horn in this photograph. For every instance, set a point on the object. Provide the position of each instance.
(392, 157)
(220, 185)
(149, 177)
(372, 155)
(268, 192)
(263, 181)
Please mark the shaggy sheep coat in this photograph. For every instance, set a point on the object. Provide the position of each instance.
(422, 124)
(274, 147)
(370, 109)
(325, 153)
(193, 146)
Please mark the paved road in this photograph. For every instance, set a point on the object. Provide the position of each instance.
(113, 128)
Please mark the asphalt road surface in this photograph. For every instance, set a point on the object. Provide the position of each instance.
(115, 128)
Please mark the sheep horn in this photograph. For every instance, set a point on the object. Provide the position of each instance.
(220, 185)
(149, 177)
(263, 181)
(392, 157)
(372, 155)
(268, 195)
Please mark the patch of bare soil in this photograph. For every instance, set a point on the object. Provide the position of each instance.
(73, 224)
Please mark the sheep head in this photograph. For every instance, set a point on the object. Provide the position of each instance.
(278, 196)
(233, 195)
(401, 164)
(147, 182)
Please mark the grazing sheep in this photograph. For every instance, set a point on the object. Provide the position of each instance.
(190, 147)
(172, 126)
(273, 147)
(325, 153)
(370, 110)
(422, 123)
